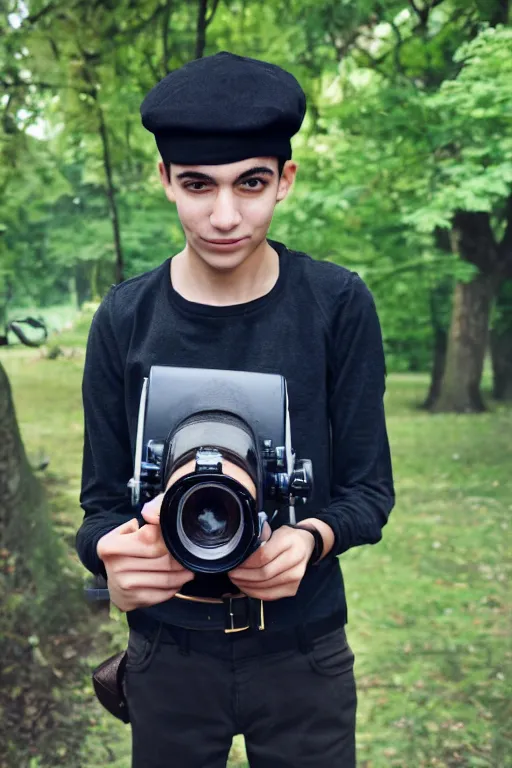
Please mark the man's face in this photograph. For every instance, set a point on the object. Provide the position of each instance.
(226, 210)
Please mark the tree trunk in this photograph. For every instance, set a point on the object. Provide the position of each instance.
(439, 299)
(82, 283)
(467, 344)
(111, 196)
(166, 51)
(18, 486)
(501, 354)
(201, 28)
(439, 357)
(501, 345)
(204, 19)
(91, 80)
(41, 721)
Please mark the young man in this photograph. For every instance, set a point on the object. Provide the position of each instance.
(233, 300)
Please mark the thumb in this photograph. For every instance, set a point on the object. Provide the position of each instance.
(151, 510)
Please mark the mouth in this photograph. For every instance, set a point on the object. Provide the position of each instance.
(230, 241)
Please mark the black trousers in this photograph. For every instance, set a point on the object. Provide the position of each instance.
(296, 708)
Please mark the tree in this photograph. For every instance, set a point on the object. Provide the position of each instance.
(501, 344)
(41, 597)
(472, 195)
(430, 122)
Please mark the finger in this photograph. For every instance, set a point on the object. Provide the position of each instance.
(149, 597)
(281, 540)
(274, 593)
(129, 527)
(151, 510)
(108, 543)
(284, 581)
(282, 563)
(165, 563)
(152, 536)
(266, 553)
(150, 533)
(153, 580)
(137, 544)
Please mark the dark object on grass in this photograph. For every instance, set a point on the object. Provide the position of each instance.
(16, 326)
(54, 352)
(40, 464)
(107, 680)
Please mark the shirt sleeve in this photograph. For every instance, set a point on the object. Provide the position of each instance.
(107, 462)
(362, 491)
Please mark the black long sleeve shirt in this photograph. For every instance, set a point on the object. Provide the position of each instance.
(318, 327)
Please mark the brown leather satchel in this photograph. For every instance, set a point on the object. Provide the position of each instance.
(107, 680)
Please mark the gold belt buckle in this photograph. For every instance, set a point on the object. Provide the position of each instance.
(216, 601)
(232, 629)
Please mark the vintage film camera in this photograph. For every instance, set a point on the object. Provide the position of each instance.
(190, 421)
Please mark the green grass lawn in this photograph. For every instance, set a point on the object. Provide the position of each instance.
(429, 606)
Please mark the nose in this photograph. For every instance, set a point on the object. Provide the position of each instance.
(225, 215)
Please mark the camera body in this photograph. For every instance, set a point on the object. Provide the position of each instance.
(191, 423)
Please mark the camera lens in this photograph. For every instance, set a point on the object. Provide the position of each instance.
(210, 521)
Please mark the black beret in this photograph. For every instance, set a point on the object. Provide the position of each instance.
(224, 108)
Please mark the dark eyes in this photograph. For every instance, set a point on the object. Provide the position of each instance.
(249, 184)
(254, 183)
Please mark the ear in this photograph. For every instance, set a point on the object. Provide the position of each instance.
(165, 178)
(286, 180)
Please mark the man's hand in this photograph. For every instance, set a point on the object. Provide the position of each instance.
(276, 569)
(140, 570)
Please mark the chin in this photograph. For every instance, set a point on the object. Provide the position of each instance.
(223, 262)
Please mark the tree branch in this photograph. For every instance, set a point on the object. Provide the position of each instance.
(419, 12)
(343, 48)
(214, 7)
(202, 6)
(372, 61)
(141, 25)
(397, 47)
(424, 13)
(383, 275)
(55, 49)
(33, 19)
(62, 9)
(165, 36)
(151, 66)
(38, 83)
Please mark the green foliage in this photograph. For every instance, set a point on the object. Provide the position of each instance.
(473, 138)
(408, 122)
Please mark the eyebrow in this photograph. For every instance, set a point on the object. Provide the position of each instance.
(262, 169)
